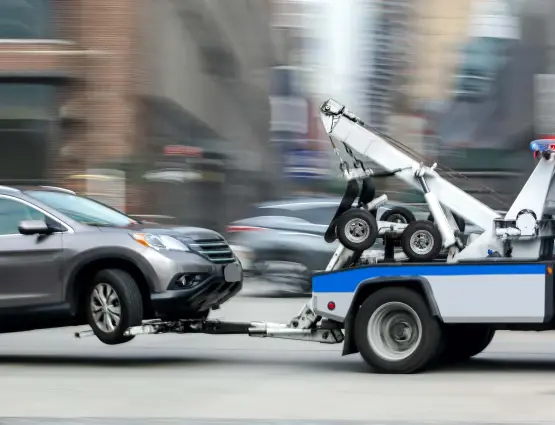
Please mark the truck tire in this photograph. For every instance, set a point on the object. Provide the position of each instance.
(114, 303)
(398, 215)
(421, 241)
(465, 341)
(357, 229)
(396, 333)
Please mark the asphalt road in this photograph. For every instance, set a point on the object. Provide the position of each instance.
(48, 374)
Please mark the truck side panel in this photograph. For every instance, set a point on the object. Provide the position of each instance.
(463, 293)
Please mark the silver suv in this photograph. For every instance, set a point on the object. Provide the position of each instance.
(69, 260)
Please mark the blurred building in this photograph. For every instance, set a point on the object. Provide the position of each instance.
(490, 118)
(140, 87)
(296, 130)
(207, 86)
(385, 46)
(440, 28)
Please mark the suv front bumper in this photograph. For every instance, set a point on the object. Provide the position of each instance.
(217, 287)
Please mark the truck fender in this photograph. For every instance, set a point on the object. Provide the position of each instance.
(369, 286)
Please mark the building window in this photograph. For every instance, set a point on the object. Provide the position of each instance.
(27, 115)
(482, 60)
(26, 19)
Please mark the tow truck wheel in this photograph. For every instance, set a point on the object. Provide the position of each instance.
(114, 303)
(421, 241)
(398, 215)
(357, 229)
(396, 333)
(465, 341)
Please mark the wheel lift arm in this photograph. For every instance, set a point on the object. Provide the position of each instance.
(325, 335)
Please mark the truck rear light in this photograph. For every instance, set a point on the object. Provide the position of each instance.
(234, 229)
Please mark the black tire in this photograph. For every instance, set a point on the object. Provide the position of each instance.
(426, 352)
(461, 224)
(396, 213)
(130, 305)
(429, 234)
(365, 222)
(465, 341)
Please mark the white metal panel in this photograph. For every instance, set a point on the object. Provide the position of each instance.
(467, 299)
(535, 191)
(490, 298)
(342, 302)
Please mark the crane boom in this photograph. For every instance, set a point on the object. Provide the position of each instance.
(343, 126)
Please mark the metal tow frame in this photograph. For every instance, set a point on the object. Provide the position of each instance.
(327, 333)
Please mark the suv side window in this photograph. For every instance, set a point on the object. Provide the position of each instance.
(12, 212)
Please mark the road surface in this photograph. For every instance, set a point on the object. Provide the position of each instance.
(48, 374)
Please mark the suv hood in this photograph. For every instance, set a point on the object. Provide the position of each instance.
(196, 233)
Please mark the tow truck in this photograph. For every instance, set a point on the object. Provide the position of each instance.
(409, 312)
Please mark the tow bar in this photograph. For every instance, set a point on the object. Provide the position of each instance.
(326, 332)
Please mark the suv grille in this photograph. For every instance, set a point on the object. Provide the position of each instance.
(216, 250)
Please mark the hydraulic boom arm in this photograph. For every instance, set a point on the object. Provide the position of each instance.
(345, 127)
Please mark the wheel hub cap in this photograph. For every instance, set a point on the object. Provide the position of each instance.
(397, 219)
(394, 331)
(357, 230)
(422, 242)
(105, 307)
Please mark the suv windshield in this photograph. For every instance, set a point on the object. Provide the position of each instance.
(83, 210)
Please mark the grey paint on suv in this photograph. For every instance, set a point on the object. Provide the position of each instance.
(69, 260)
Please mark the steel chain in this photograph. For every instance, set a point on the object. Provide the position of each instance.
(357, 163)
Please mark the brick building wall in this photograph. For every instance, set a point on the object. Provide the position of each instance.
(130, 77)
(92, 57)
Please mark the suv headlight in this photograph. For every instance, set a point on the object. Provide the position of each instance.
(160, 242)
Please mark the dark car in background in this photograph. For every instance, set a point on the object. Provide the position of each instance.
(282, 242)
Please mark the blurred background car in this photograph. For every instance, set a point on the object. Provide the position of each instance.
(282, 242)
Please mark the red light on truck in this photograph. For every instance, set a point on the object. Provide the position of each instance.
(331, 306)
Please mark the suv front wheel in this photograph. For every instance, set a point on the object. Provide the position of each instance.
(114, 304)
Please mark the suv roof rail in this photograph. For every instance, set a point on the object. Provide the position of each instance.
(9, 189)
(59, 189)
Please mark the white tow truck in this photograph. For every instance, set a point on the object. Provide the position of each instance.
(406, 312)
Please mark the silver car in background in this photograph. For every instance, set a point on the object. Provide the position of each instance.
(282, 242)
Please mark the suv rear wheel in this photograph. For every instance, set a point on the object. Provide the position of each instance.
(114, 304)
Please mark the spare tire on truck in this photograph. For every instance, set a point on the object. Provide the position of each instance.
(398, 215)
(357, 229)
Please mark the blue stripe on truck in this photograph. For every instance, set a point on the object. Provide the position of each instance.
(347, 280)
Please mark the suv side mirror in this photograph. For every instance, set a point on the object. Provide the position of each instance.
(34, 227)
